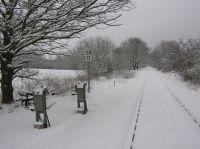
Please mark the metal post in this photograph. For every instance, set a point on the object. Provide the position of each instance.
(88, 77)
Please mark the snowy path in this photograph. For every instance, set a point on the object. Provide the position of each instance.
(110, 123)
(163, 123)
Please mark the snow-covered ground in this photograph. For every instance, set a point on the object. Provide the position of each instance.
(162, 123)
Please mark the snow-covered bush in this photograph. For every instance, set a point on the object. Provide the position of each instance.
(124, 73)
(55, 85)
(59, 85)
(193, 74)
(181, 56)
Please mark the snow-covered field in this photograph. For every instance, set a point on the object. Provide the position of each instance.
(60, 73)
(162, 122)
(17, 82)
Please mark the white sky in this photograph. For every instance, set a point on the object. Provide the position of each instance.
(155, 20)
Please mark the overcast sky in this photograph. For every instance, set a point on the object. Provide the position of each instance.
(155, 20)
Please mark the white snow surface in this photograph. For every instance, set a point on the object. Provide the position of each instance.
(110, 121)
(163, 123)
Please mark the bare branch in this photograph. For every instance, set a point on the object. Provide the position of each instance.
(35, 27)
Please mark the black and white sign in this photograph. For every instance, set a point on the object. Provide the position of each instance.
(88, 58)
(88, 55)
(88, 52)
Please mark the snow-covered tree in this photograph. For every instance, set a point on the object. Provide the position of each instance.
(181, 56)
(120, 60)
(165, 55)
(101, 48)
(30, 27)
(136, 51)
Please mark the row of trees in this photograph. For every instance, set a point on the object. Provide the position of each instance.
(132, 53)
(106, 56)
(182, 56)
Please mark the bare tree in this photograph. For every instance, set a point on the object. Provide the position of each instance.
(120, 60)
(37, 26)
(101, 53)
(164, 54)
(136, 51)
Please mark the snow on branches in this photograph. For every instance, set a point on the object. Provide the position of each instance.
(35, 26)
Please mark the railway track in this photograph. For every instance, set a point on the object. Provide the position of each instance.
(193, 118)
(140, 104)
(141, 93)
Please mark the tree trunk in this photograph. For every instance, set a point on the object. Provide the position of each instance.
(6, 84)
(6, 72)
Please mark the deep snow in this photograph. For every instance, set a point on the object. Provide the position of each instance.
(110, 122)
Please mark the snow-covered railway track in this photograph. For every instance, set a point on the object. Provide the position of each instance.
(182, 105)
(163, 120)
(141, 93)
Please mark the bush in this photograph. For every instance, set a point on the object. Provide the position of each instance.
(55, 85)
(126, 74)
(193, 74)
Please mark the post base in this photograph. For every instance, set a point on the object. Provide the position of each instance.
(40, 125)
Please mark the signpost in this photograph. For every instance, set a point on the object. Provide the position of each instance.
(88, 55)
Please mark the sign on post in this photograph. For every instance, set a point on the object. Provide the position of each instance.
(89, 52)
(88, 55)
(88, 58)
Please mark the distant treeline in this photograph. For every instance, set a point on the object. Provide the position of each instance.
(58, 62)
(106, 56)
